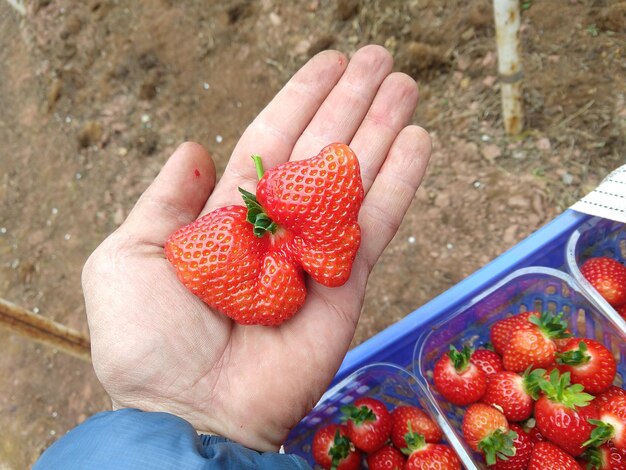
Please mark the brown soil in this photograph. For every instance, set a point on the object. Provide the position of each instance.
(95, 95)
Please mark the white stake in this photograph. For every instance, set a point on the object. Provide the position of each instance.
(18, 5)
(507, 17)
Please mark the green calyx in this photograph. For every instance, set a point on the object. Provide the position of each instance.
(256, 214)
(559, 390)
(414, 441)
(531, 381)
(340, 449)
(357, 415)
(594, 458)
(498, 446)
(602, 433)
(574, 357)
(460, 359)
(553, 326)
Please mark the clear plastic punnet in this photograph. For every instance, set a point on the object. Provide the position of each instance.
(528, 289)
(389, 383)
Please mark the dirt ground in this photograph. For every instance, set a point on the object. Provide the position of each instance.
(95, 95)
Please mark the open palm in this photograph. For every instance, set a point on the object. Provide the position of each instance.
(157, 347)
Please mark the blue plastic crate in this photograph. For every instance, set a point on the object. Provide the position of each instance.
(545, 247)
(396, 344)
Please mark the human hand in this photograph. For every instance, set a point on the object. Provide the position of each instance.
(157, 347)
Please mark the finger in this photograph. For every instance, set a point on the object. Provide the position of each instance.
(390, 112)
(392, 191)
(175, 197)
(343, 111)
(275, 130)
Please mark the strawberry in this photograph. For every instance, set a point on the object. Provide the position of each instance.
(604, 397)
(486, 430)
(502, 330)
(404, 416)
(589, 363)
(487, 360)
(562, 413)
(534, 347)
(248, 262)
(608, 277)
(548, 456)
(368, 422)
(386, 458)
(457, 379)
(426, 456)
(332, 449)
(523, 445)
(605, 457)
(611, 425)
(513, 394)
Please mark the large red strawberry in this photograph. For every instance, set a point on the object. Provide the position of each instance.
(512, 393)
(487, 360)
(332, 449)
(611, 425)
(523, 445)
(605, 457)
(248, 262)
(386, 458)
(589, 363)
(502, 330)
(426, 456)
(404, 416)
(548, 456)
(457, 379)
(608, 277)
(535, 347)
(368, 422)
(486, 430)
(563, 413)
(604, 397)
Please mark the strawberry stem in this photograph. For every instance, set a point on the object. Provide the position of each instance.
(339, 450)
(358, 415)
(498, 446)
(256, 214)
(574, 357)
(559, 390)
(600, 434)
(460, 359)
(258, 164)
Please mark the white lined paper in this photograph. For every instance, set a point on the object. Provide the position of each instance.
(608, 200)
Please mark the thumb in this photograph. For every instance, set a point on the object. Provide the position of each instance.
(175, 197)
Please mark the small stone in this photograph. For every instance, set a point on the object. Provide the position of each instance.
(219, 139)
(118, 216)
(275, 19)
(122, 151)
(489, 81)
(491, 152)
(519, 202)
(67, 236)
(411, 240)
(145, 118)
(206, 86)
(544, 143)
(3, 230)
(54, 211)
